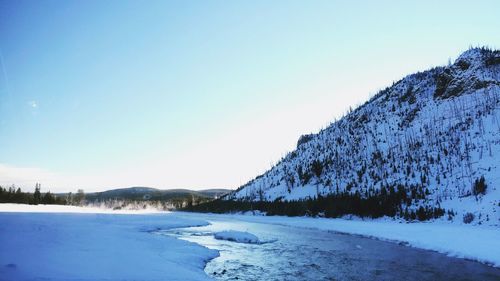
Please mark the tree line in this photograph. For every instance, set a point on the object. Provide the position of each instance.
(388, 201)
(16, 195)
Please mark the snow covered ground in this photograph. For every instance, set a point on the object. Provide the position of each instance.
(69, 243)
(79, 245)
(479, 243)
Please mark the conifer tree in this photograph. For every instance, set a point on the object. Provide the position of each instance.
(37, 196)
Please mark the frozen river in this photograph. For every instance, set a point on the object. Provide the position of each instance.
(292, 253)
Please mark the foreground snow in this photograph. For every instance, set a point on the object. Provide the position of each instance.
(237, 236)
(70, 246)
(478, 243)
(44, 245)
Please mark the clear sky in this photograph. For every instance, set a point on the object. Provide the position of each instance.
(200, 94)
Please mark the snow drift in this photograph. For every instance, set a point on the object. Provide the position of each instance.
(237, 236)
(94, 247)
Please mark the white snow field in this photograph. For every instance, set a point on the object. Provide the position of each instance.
(85, 246)
(237, 236)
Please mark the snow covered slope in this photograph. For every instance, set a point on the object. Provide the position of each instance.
(433, 133)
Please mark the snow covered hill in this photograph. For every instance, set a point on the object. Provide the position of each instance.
(433, 134)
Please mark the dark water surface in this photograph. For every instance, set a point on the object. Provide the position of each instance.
(293, 253)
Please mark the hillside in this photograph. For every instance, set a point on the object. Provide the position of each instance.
(148, 193)
(135, 198)
(430, 140)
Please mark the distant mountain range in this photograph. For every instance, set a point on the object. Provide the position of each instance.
(153, 194)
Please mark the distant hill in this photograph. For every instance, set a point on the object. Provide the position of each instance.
(140, 193)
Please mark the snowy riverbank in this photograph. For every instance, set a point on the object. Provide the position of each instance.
(71, 243)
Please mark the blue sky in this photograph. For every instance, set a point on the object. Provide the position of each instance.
(200, 94)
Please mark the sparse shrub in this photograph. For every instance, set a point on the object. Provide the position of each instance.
(463, 65)
(304, 176)
(317, 167)
(450, 215)
(479, 84)
(421, 215)
(442, 81)
(408, 96)
(468, 218)
(492, 58)
(479, 186)
(410, 116)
